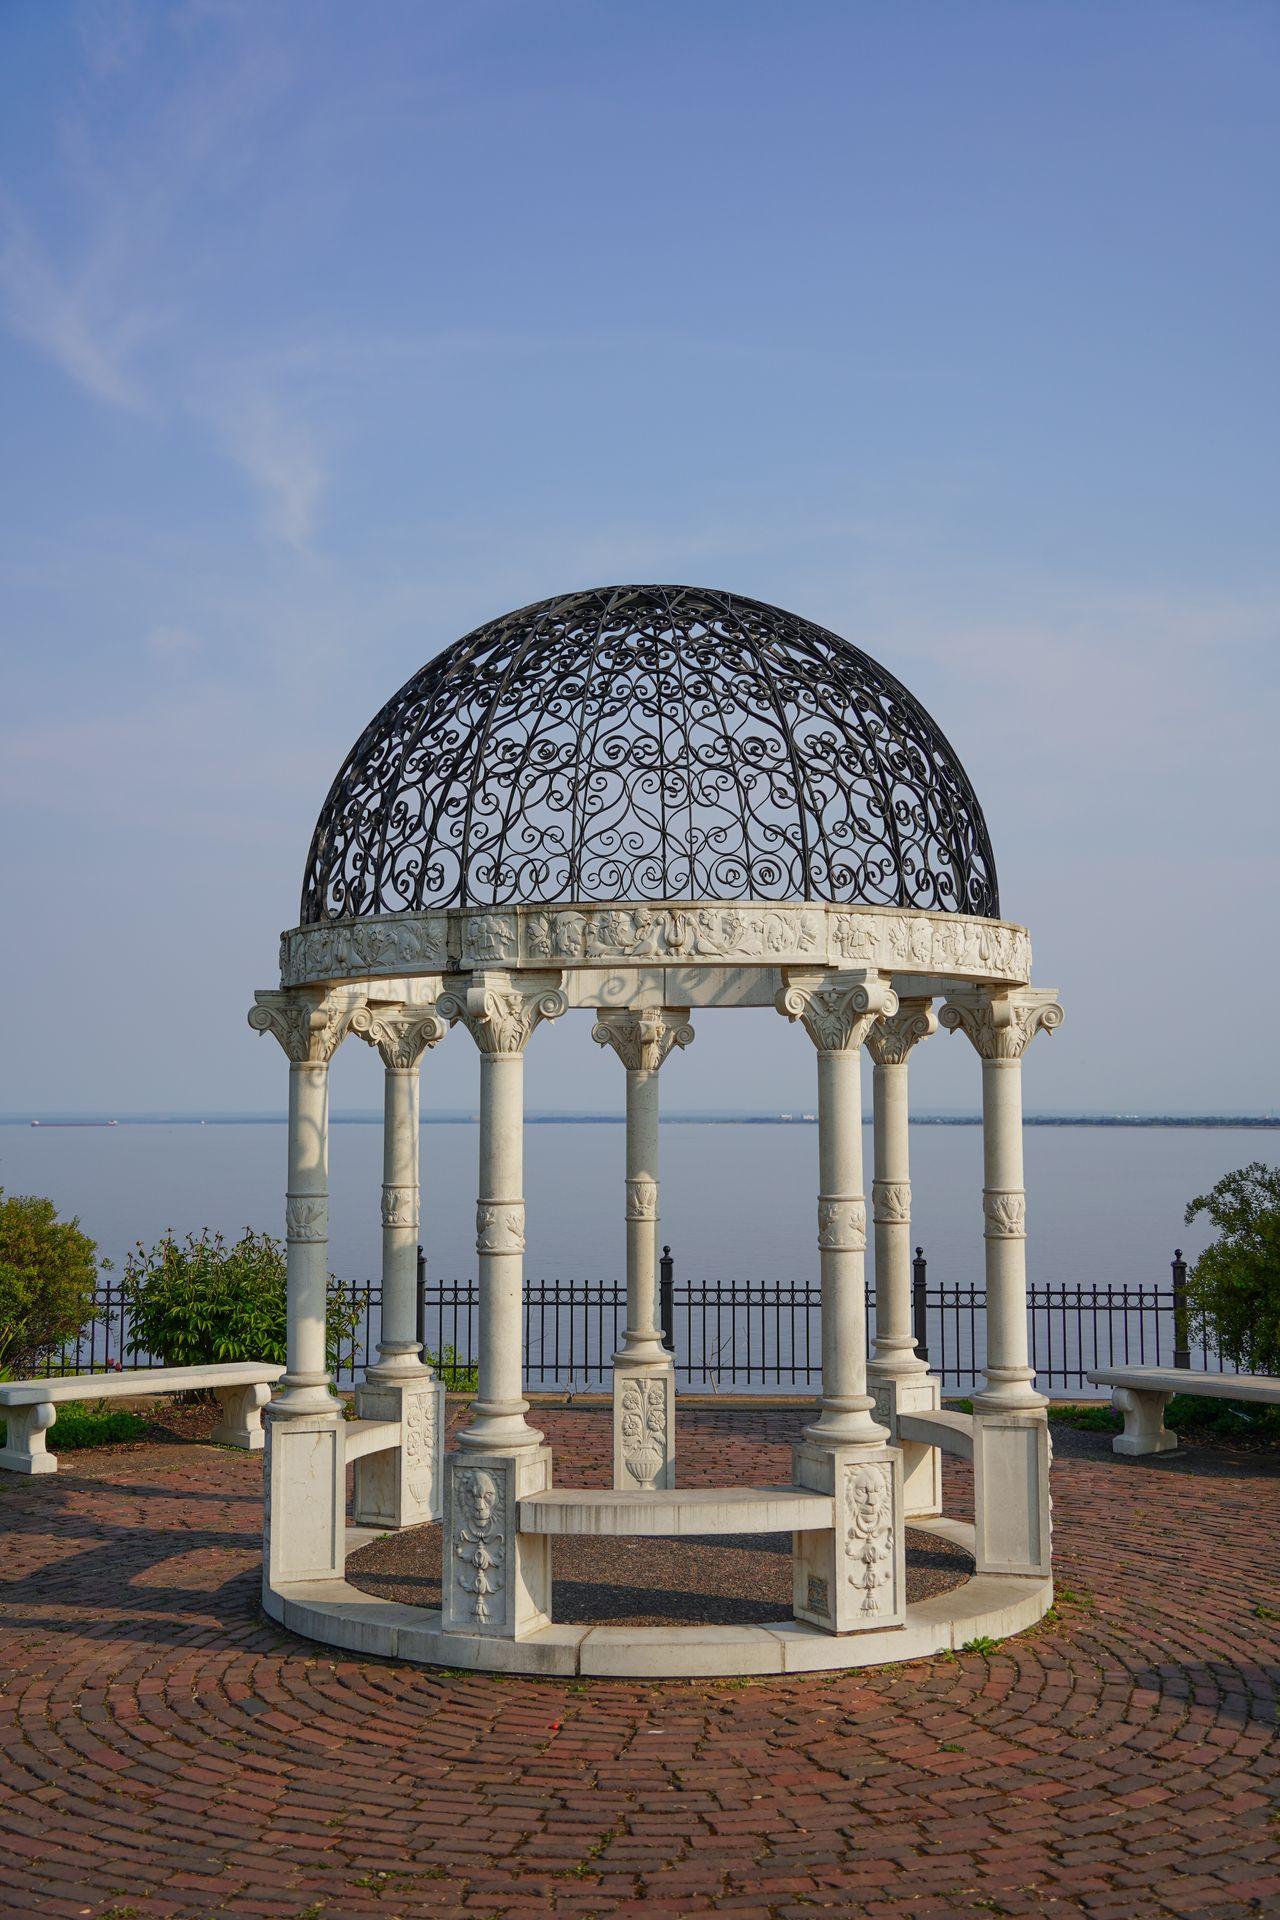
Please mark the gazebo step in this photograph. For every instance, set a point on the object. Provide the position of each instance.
(664, 1514)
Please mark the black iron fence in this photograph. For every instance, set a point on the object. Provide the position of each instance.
(738, 1335)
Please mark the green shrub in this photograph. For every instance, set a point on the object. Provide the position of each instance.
(81, 1424)
(1233, 1290)
(48, 1274)
(197, 1301)
(458, 1377)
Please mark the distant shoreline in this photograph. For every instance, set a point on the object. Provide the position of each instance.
(59, 1122)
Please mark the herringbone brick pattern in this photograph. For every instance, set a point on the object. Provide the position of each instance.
(167, 1752)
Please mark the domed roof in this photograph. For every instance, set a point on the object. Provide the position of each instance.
(649, 743)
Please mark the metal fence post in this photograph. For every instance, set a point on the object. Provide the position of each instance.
(421, 1330)
(667, 1300)
(1181, 1335)
(919, 1312)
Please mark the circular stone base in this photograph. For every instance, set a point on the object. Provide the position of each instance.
(340, 1614)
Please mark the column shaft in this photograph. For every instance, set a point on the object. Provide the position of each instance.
(1009, 1374)
(642, 1340)
(305, 1387)
(398, 1350)
(895, 1351)
(499, 1409)
(846, 1404)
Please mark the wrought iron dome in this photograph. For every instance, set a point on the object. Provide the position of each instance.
(649, 743)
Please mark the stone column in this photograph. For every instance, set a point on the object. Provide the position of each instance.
(854, 1577)
(1010, 1430)
(405, 1486)
(497, 1581)
(644, 1444)
(899, 1378)
(304, 1457)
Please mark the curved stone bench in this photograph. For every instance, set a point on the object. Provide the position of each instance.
(667, 1513)
(30, 1407)
(1141, 1394)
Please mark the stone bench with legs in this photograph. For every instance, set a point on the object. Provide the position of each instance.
(1141, 1394)
(30, 1407)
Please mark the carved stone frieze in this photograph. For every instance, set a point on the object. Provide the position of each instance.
(642, 1200)
(643, 1038)
(479, 1540)
(836, 1011)
(310, 1029)
(399, 1206)
(1005, 1214)
(499, 1013)
(868, 1535)
(421, 1442)
(391, 944)
(306, 1216)
(643, 1428)
(500, 1226)
(1002, 1022)
(842, 1223)
(893, 1036)
(401, 1034)
(891, 1202)
(779, 933)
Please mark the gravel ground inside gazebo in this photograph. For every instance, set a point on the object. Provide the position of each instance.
(170, 1754)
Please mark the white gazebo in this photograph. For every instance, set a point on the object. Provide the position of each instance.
(654, 802)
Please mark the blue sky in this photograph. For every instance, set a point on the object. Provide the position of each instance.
(327, 332)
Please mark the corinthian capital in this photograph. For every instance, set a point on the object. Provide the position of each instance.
(1002, 1021)
(401, 1034)
(642, 1037)
(837, 1010)
(309, 1026)
(892, 1037)
(500, 1013)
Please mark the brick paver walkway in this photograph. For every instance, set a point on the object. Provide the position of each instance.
(165, 1751)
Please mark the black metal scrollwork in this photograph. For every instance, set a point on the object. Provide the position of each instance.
(650, 743)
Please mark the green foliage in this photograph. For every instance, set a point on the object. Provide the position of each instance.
(1094, 1417)
(981, 1643)
(1233, 1290)
(457, 1376)
(81, 1424)
(197, 1301)
(48, 1273)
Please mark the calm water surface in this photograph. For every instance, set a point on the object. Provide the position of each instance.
(1105, 1205)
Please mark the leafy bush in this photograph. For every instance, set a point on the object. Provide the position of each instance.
(1233, 1290)
(198, 1301)
(80, 1424)
(458, 1377)
(48, 1273)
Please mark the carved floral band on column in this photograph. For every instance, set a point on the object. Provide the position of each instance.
(401, 1034)
(310, 1027)
(1002, 1022)
(643, 1037)
(842, 1222)
(642, 1200)
(500, 1226)
(893, 1036)
(306, 1216)
(498, 1013)
(836, 1010)
(1006, 1214)
(891, 1203)
(399, 1206)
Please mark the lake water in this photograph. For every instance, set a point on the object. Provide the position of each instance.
(1104, 1204)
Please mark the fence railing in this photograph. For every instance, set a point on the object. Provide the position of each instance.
(738, 1335)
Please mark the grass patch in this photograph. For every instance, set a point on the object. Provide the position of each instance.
(82, 1423)
(1189, 1413)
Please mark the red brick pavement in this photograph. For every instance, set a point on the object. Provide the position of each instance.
(165, 1751)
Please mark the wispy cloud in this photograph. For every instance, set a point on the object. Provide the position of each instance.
(277, 451)
(173, 643)
(73, 319)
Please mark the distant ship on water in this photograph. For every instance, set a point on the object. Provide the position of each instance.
(75, 1123)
